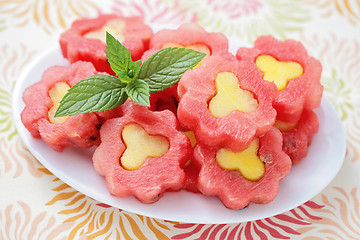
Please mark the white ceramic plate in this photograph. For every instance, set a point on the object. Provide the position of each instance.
(74, 167)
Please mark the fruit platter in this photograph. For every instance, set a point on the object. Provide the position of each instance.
(168, 147)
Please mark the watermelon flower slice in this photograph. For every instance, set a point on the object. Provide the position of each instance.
(85, 40)
(189, 35)
(232, 188)
(237, 129)
(74, 131)
(300, 92)
(155, 175)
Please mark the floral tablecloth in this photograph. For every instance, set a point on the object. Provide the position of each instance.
(35, 204)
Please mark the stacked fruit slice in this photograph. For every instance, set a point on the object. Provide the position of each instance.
(85, 40)
(41, 100)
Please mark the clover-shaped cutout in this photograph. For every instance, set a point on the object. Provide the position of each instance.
(56, 93)
(279, 72)
(140, 146)
(247, 162)
(230, 96)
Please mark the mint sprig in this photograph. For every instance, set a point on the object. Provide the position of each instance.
(104, 92)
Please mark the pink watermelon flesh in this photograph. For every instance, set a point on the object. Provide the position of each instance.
(108, 114)
(192, 173)
(166, 99)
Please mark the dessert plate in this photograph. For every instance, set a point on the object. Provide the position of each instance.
(74, 167)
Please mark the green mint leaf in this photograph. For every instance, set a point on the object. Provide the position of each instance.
(118, 56)
(131, 73)
(138, 91)
(124, 76)
(93, 94)
(165, 67)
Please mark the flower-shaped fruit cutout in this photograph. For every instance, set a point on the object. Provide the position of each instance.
(86, 39)
(142, 153)
(239, 178)
(295, 73)
(42, 100)
(192, 36)
(225, 103)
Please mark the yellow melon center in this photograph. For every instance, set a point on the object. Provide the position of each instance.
(246, 162)
(190, 135)
(56, 93)
(285, 126)
(140, 146)
(230, 96)
(277, 71)
(196, 47)
(115, 27)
